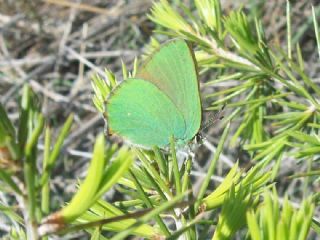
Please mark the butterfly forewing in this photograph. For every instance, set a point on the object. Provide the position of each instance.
(138, 111)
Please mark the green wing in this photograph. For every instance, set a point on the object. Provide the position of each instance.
(173, 70)
(141, 113)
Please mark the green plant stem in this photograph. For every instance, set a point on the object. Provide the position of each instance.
(30, 224)
(316, 29)
(148, 203)
(187, 227)
(161, 162)
(175, 166)
(289, 29)
(155, 185)
(56, 149)
(186, 175)
(148, 216)
(212, 166)
(154, 173)
(45, 191)
(29, 181)
(191, 214)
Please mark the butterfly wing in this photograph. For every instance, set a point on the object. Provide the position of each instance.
(138, 111)
(173, 70)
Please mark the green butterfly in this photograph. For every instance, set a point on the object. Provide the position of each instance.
(161, 101)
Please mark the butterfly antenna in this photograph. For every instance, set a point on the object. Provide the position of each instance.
(213, 119)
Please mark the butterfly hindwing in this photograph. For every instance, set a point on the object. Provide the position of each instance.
(144, 115)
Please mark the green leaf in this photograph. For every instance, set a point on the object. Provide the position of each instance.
(103, 209)
(233, 214)
(88, 189)
(101, 91)
(107, 217)
(210, 13)
(305, 138)
(115, 171)
(56, 149)
(149, 204)
(163, 14)
(256, 179)
(6, 178)
(147, 217)
(33, 140)
(238, 26)
(215, 198)
(316, 29)
(7, 131)
(269, 221)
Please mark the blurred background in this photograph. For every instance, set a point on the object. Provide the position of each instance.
(57, 45)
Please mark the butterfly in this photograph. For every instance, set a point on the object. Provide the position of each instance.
(160, 101)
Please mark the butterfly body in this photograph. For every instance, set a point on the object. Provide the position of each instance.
(161, 101)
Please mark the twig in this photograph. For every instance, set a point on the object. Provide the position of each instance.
(84, 61)
(63, 41)
(79, 80)
(25, 61)
(80, 6)
(103, 54)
